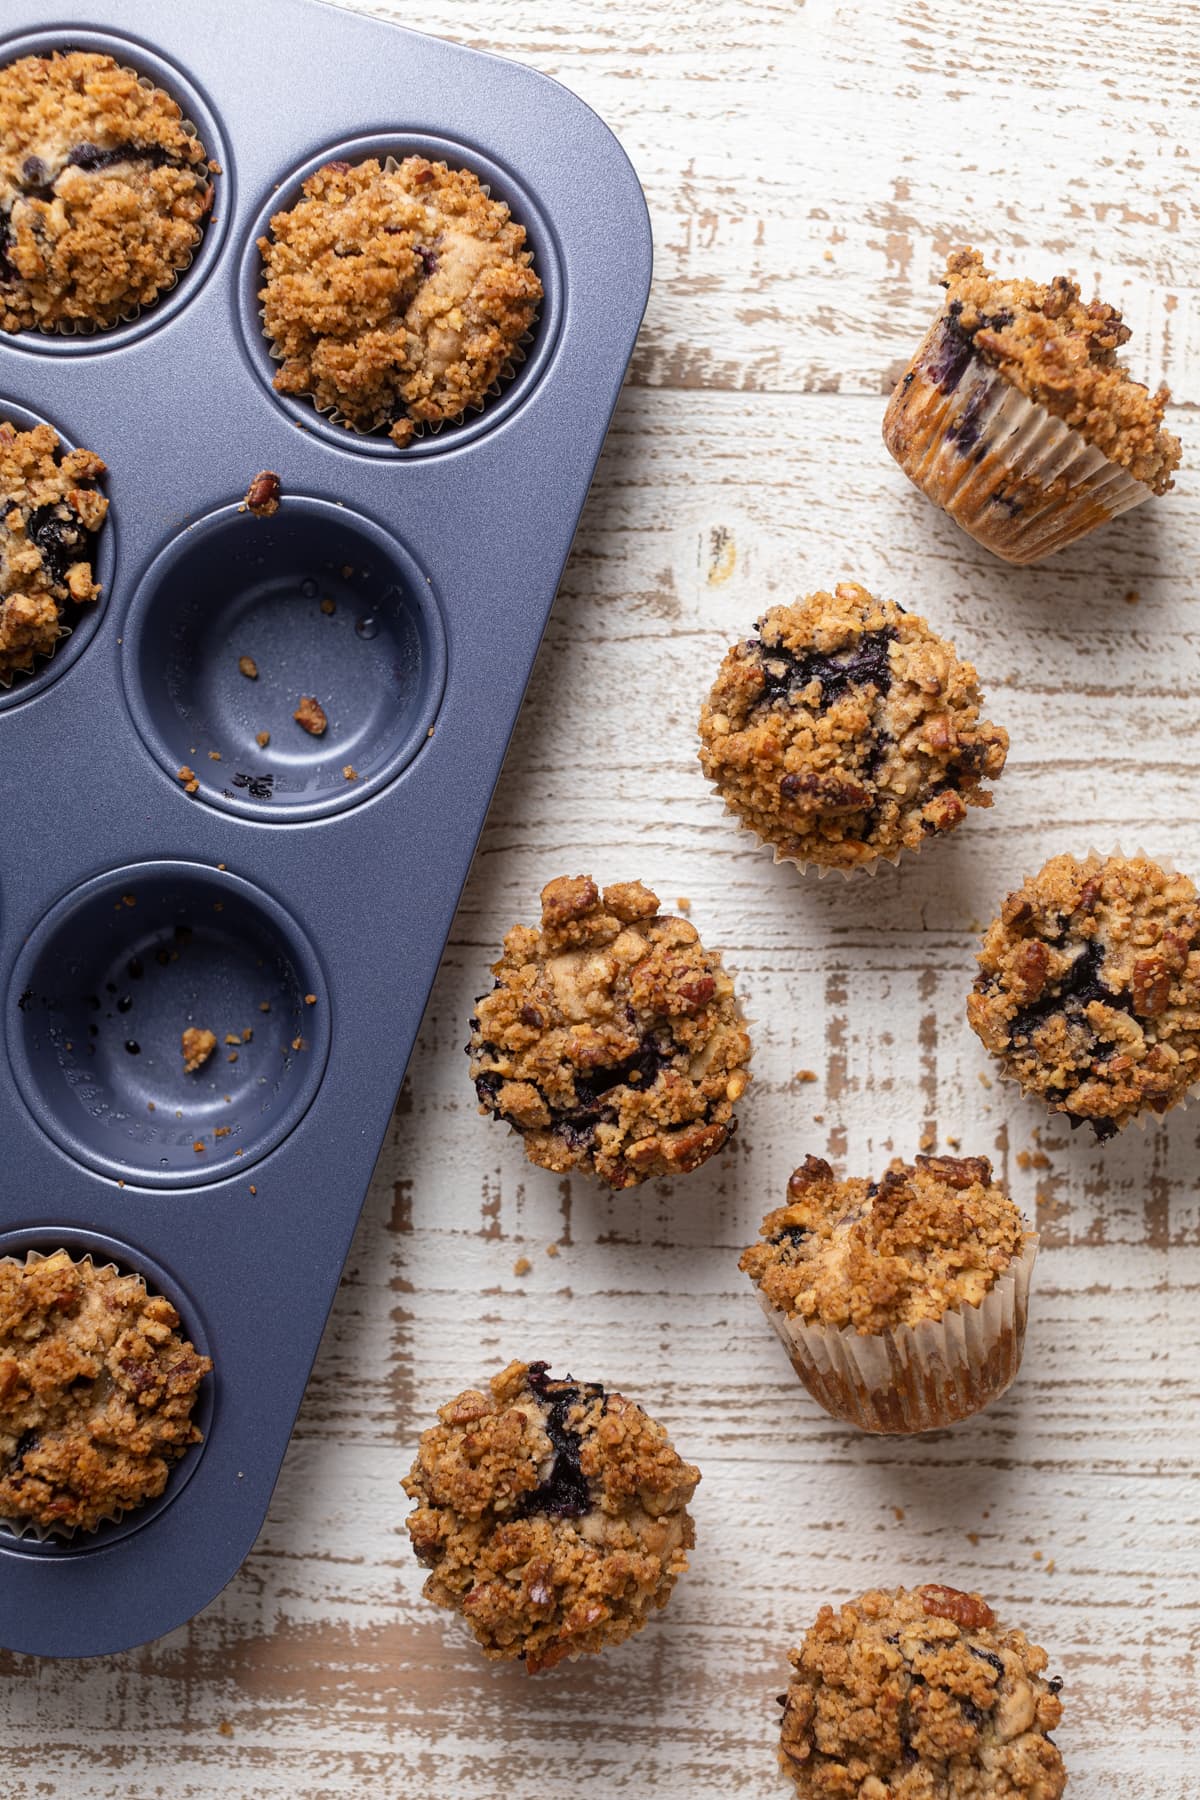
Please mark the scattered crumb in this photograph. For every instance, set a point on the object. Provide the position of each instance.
(129, 899)
(220, 865)
(954, 1143)
(350, 772)
(985, 1080)
(347, 571)
(898, 1514)
(222, 1131)
(225, 1728)
(310, 999)
(551, 1249)
(198, 1147)
(262, 496)
(150, 1106)
(248, 667)
(233, 1055)
(311, 715)
(806, 1075)
(1132, 597)
(818, 1118)
(298, 1043)
(247, 1034)
(928, 1138)
(231, 1037)
(262, 739)
(328, 608)
(1050, 1567)
(264, 1006)
(522, 1266)
(253, 1189)
(188, 778)
(198, 1045)
(827, 255)
(683, 903)
(214, 756)
(1037, 1556)
(972, 1537)
(1032, 1159)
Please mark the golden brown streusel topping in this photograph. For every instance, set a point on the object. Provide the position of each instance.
(1062, 353)
(844, 730)
(1089, 988)
(925, 1238)
(396, 296)
(197, 1044)
(102, 192)
(49, 510)
(920, 1695)
(553, 1515)
(612, 1041)
(97, 1386)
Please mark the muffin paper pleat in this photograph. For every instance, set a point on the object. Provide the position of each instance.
(1018, 479)
(915, 1377)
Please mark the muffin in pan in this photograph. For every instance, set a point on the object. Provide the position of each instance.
(1088, 991)
(50, 511)
(846, 730)
(552, 1515)
(901, 1302)
(1017, 417)
(612, 1041)
(396, 294)
(104, 191)
(920, 1694)
(97, 1389)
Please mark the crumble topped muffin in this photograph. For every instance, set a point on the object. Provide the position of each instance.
(612, 1041)
(553, 1515)
(1061, 352)
(50, 510)
(396, 295)
(103, 192)
(927, 1237)
(1016, 417)
(920, 1695)
(845, 730)
(1089, 988)
(97, 1387)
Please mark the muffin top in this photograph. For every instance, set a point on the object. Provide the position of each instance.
(97, 1386)
(49, 509)
(845, 730)
(102, 191)
(395, 295)
(612, 1040)
(1089, 988)
(552, 1514)
(920, 1695)
(1063, 354)
(927, 1237)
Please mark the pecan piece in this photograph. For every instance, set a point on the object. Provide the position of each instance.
(970, 1611)
(958, 1171)
(811, 1173)
(1016, 912)
(827, 794)
(1151, 987)
(568, 897)
(310, 714)
(1029, 969)
(262, 496)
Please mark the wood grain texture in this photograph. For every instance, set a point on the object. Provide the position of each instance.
(807, 167)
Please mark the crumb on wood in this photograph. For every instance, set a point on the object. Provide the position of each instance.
(1132, 597)
(806, 1075)
(225, 1728)
(262, 496)
(310, 715)
(248, 667)
(898, 1514)
(684, 904)
(984, 1080)
(973, 1537)
(928, 1138)
(551, 1249)
(522, 1266)
(198, 1045)
(1032, 1159)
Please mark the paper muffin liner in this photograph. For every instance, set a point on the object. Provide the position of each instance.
(65, 1534)
(1147, 1115)
(40, 658)
(87, 327)
(421, 427)
(1016, 478)
(921, 1377)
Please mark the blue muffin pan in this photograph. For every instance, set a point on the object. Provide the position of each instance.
(281, 898)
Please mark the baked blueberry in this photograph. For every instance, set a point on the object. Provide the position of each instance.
(50, 511)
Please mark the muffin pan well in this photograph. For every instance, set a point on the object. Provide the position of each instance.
(406, 590)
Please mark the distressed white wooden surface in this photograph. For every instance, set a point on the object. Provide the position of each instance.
(807, 166)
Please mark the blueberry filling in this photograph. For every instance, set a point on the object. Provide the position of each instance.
(60, 537)
(577, 1124)
(964, 433)
(1077, 990)
(564, 1493)
(28, 1441)
(973, 1714)
(785, 674)
(90, 157)
(949, 355)
(989, 1657)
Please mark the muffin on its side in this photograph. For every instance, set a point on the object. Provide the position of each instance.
(1016, 417)
(901, 1302)
(97, 1388)
(612, 1041)
(103, 192)
(50, 510)
(1089, 988)
(920, 1694)
(553, 1515)
(845, 731)
(396, 295)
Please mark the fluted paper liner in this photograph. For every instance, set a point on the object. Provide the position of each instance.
(1018, 479)
(915, 1377)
